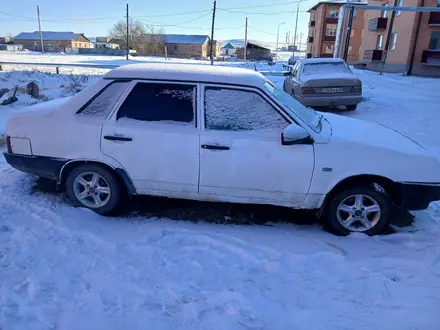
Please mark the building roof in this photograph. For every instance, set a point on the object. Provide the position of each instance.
(256, 45)
(188, 72)
(228, 46)
(47, 35)
(185, 39)
(337, 2)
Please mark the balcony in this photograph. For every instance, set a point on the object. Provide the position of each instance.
(312, 23)
(434, 18)
(329, 38)
(373, 55)
(377, 24)
(332, 20)
(310, 39)
(431, 57)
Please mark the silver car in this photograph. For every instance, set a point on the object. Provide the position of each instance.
(324, 82)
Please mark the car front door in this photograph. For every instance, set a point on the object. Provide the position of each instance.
(242, 158)
(154, 135)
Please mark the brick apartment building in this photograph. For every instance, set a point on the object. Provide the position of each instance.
(323, 25)
(412, 46)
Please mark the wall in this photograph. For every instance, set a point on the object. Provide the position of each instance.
(102, 51)
(189, 50)
(398, 60)
(423, 44)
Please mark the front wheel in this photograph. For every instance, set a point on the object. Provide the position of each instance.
(94, 187)
(364, 209)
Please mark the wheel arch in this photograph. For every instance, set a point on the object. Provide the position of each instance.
(120, 174)
(391, 188)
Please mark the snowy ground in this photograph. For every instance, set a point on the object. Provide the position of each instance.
(156, 268)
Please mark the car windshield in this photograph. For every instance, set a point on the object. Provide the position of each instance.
(324, 68)
(309, 116)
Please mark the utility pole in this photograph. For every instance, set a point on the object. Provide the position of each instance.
(39, 27)
(212, 32)
(128, 35)
(387, 42)
(347, 35)
(296, 26)
(300, 42)
(245, 41)
(278, 33)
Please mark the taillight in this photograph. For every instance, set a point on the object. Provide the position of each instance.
(308, 90)
(8, 144)
(356, 89)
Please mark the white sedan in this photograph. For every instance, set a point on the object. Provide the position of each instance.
(215, 133)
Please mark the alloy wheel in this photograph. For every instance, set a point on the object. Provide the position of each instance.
(91, 189)
(358, 213)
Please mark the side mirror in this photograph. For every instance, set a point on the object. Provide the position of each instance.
(295, 134)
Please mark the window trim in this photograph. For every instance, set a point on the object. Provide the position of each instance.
(134, 82)
(268, 100)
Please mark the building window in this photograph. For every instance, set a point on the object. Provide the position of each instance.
(384, 12)
(434, 42)
(333, 13)
(331, 29)
(399, 4)
(379, 41)
(393, 40)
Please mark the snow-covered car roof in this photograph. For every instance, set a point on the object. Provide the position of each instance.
(322, 60)
(188, 72)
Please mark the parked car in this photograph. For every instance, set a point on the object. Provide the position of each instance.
(324, 82)
(214, 133)
(292, 60)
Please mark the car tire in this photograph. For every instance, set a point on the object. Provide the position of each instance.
(93, 187)
(351, 107)
(367, 204)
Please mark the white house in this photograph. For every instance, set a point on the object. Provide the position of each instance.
(227, 50)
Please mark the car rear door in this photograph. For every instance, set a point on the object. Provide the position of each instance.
(153, 133)
(242, 158)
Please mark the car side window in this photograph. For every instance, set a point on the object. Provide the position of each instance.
(160, 102)
(102, 104)
(239, 110)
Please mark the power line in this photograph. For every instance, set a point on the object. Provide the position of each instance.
(260, 13)
(274, 34)
(177, 14)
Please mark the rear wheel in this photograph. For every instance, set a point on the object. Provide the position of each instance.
(359, 209)
(93, 187)
(351, 107)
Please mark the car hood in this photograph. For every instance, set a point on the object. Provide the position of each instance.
(371, 134)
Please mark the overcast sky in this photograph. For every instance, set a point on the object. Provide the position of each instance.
(95, 18)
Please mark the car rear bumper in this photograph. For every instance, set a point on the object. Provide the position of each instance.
(418, 196)
(45, 167)
(329, 100)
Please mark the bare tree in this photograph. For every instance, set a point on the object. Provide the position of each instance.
(146, 39)
(136, 31)
(155, 41)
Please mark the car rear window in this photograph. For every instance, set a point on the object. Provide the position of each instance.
(324, 68)
(102, 104)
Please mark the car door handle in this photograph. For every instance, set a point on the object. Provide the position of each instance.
(117, 138)
(214, 147)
